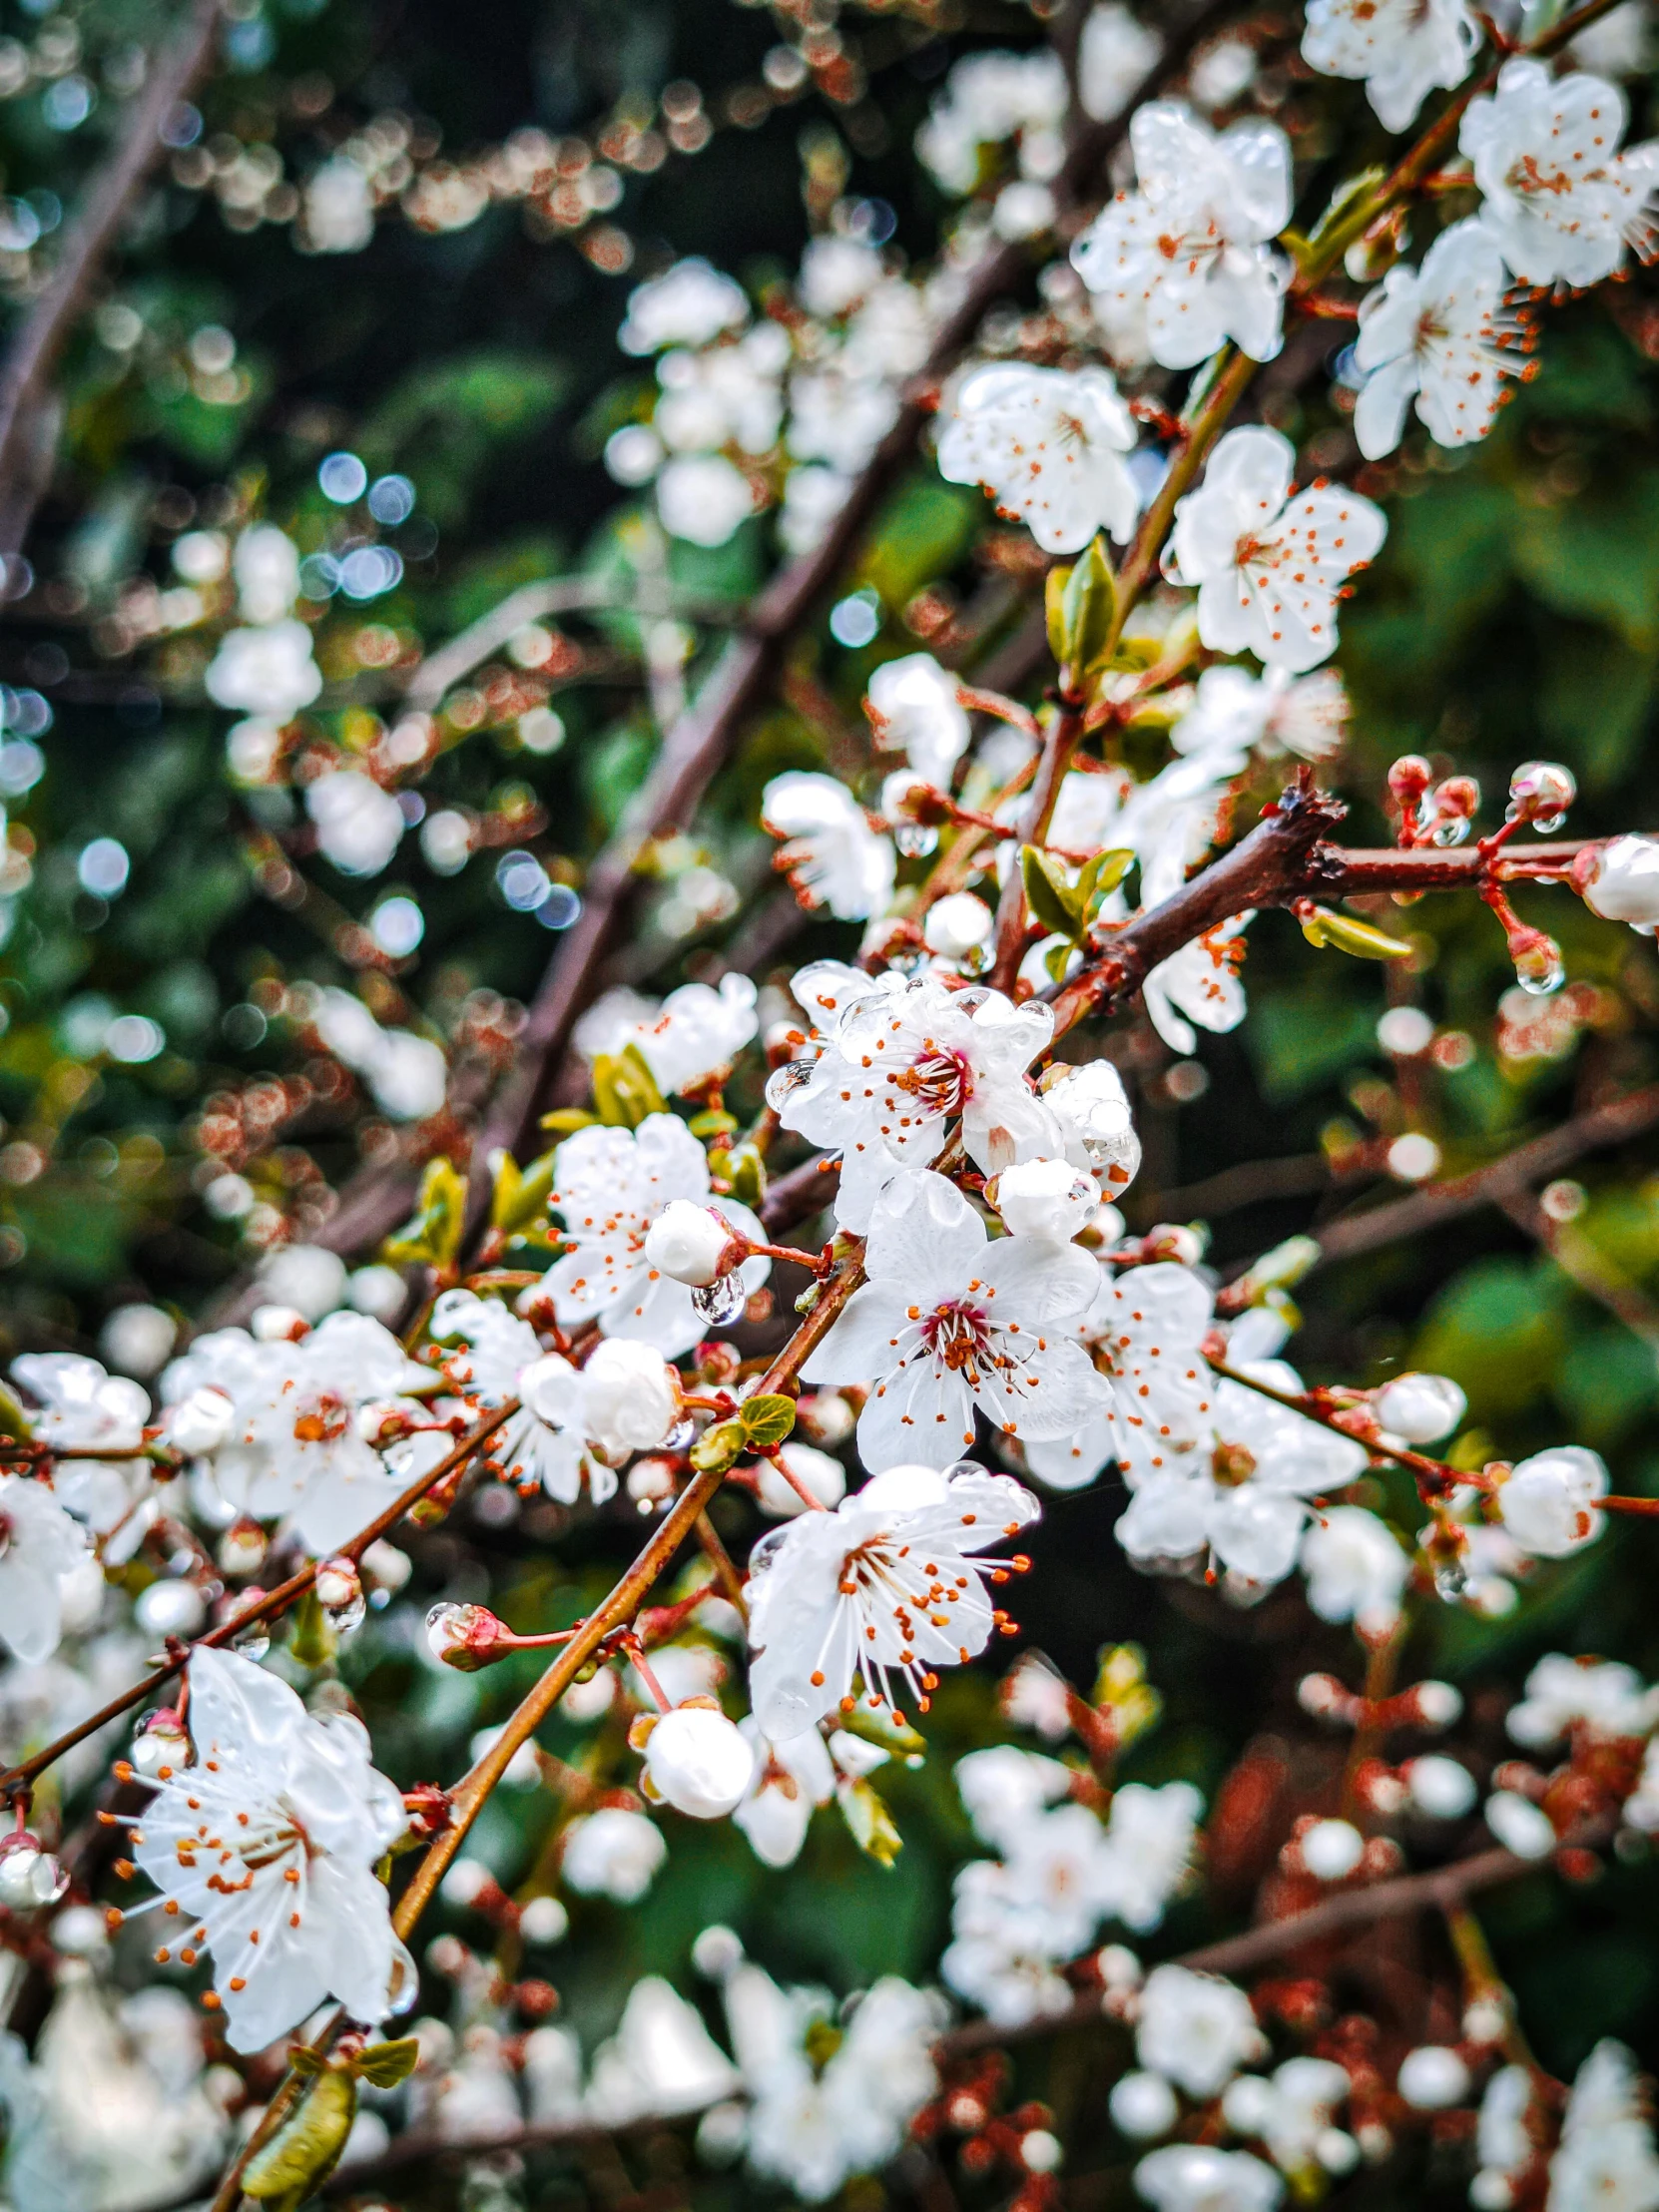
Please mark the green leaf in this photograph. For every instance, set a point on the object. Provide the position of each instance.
(1088, 607)
(1054, 609)
(869, 1821)
(746, 1171)
(624, 1088)
(386, 2065)
(719, 1448)
(1047, 893)
(312, 1641)
(566, 1120)
(1345, 203)
(433, 1235)
(883, 1725)
(767, 1420)
(522, 1194)
(1345, 935)
(305, 2149)
(714, 1122)
(1100, 877)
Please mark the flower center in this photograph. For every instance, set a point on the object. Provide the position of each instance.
(959, 1336)
(326, 1419)
(939, 1081)
(1232, 1464)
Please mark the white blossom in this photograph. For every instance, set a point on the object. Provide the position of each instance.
(989, 99)
(947, 1325)
(1606, 2161)
(1602, 1699)
(689, 306)
(1046, 1198)
(824, 1476)
(407, 1076)
(898, 1065)
(703, 498)
(1200, 983)
(611, 1184)
(831, 855)
(1356, 1569)
(1290, 2112)
(1620, 881)
(1048, 445)
(890, 1582)
(1114, 54)
(789, 1780)
(660, 2061)
(81, 1407)
(1195, 2029)
(814, 495)
(696, 1032)
(1092, 1115)
(265, 565)
(1560, 201)
(914, 707)
(39, 1544)
(1189, 247)
(266, 670)
(1403, 49)
(1547, 1504)
(1144, 1329)
(337, 207)
(613, 1852)
(266, 1845)
(359, 826)
(1270, 563)
(1442, 336)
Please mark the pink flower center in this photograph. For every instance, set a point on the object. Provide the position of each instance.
(959, 1336)
(324, 1420)
(940, 1082)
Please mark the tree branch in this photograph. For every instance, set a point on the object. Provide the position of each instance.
(25, 454)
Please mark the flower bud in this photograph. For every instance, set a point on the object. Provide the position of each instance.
(1176, 1241)
(1619, 880)
(1519, 1825)
(1096, 1126)
(242, 1548)
(275, 1325)
(1547, 1503)
(630, 1398)
(467, 1636)
(1540, 791)
(29, 1877)
(160, 1744)
(1420, 1409)
(957, 925)
(1432, 2078)
(1331, 1850)
(340, 1592)
(1436, 1704)
(698, 1761)
(1143, 2105)
(905, 797)
(1440, 1787)
(202, 1421)
(1408, 779)
(1046, 1198)
(692, 1244)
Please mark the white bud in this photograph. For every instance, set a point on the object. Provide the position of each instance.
(1420, 1409)
(1405, 1031)
(898, 791)
(29, 1877)
(1438, 1704)
(159, 1742)
(202, 1421)
(1432, 2078)
(1247, 2105)
(630, 1398)
(957, 925)
(691, 1244)
(1519, 1825)
(1336, 2150)
(1119, 1968)
(171, 1610)
(1541, 791)
(1620, 881)
(824, 1476)
(543, 1920)
(716, 1953)
(1040, 2150)
(1547, 1503)
(1442, 1787)
(699, 1762)
(277, 1325)
(1046, 1198)
(1142, 2106)
(465, 1881)
(1331, 1850)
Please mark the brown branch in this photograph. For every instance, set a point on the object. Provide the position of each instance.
(25, 451)
(267, 1608)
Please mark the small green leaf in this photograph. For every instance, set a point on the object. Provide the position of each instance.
(1345, 935)
(746, 1171)
(1345, 204)
(624, 1088)
(566, 1120)
(767, 1420)
(1054, 595)
(433, 1235)
(713, 1122)
(14, 1422)
(305, 2149)
(312, 1641)
(870, 1822)
(522, 1194)
(1047, 893)
(1100, 877)
(718, 1447)
(386, 2065)
(1088, 607)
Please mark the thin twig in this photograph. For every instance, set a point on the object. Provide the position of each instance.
(25, 379)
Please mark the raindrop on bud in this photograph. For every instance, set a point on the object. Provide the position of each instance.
(254, 1640)
(160, 1742)
(1539, 967)
(340, 1592)
(29, 1877)
(719, 1302)
(1540, 791)
(466, 1636)
(915, 839)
